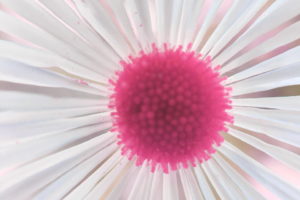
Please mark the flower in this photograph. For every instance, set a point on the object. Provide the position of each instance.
(149, 99)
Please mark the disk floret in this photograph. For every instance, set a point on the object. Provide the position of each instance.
(169, 108)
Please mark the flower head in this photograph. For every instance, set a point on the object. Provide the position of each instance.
(149, 99)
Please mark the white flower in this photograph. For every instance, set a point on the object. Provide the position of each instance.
(61, 80)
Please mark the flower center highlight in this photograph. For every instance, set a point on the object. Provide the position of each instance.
(169, 108)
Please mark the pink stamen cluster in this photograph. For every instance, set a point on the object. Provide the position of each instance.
(169, 108)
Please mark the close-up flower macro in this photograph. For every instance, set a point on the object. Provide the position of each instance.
(150, 99)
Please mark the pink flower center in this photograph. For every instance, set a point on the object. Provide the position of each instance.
(170, 107)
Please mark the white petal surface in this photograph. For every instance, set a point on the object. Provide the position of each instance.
(138, 12)
(288, 75)
(73, 177)
(286, 36)
(264, 24)
(260, 173)
(281, 131)
(284, 102)
(280, 154)
(24, 74)
(17, 27)
(248, 191)
(99, 19)
(52, 166)
(289, 57)
(46, 59)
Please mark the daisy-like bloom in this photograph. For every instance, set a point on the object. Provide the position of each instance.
(149, 99)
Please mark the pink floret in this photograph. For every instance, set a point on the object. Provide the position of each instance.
(169, 108)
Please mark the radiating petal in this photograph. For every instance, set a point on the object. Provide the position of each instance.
(189, 184)
(203, 183)
(284, 37)
(137, 190)
(37, 98)
(87, 186)
(22, 152)
(247, 13)
(14, 133)
(260, 173)
(99, 19)
(170, 186)
(24, 74)
(231, 16)
(218, 184)
(266, 22)
(284, 102)
(16, 27)
(103, 186)
(30, 178)
(206, 23)
(65, 13)
(289, 57)
(246, 188)
(120, 16)
(280, 131)
(74, 176)
(138, 12)
(45, 59)
(288, 75)
(278, 153)
(156, 190)
(188, 22)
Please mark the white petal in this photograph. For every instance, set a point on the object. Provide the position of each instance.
(247, 14)
(124, 183)
(204, 186)
(281, 116)
(265, 23)
(260, 173)
(99, 19)
(13, 133)
(20, 73)
(189, 184)
(156, 186)
(240, 182)
(165, 11)
(280, 131)
(35, 14)
(188, 23)
(171, 21)
(289, 57)
(288, 75)
(43, 58)
(217, 183)
(65, 13)
(30, 178)
(82, 190)
(285, 103)
(139, 16)
(137, 190)
(170, 186)
(73, 177)
(38, 98)
(14, 117)
(120, 15)
(18, 154)
(35, 35)
(206, 23)
(104, 185)
(231, 16)
(278, 153)
(284, 37)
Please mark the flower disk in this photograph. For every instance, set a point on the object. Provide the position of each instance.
(169, 107)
